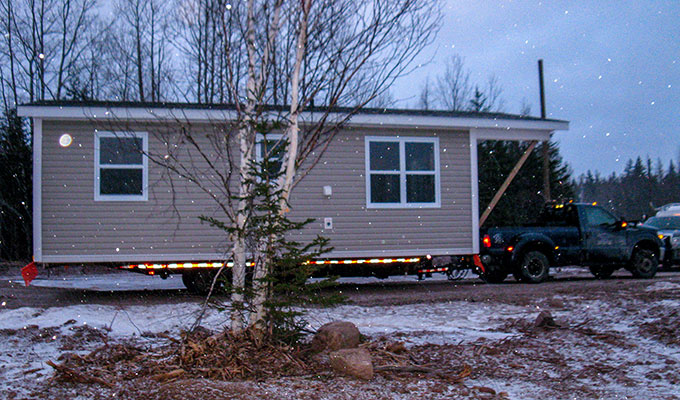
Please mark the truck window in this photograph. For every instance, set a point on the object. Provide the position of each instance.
(595, 216)
(558, 216)
(571, 216)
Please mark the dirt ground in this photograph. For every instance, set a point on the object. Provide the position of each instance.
(616, 338)
(366, 292)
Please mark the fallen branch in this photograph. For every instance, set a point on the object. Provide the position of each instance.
(168, 375)
(405, 368)
(426, 370)
(30, 371)
(77, 376)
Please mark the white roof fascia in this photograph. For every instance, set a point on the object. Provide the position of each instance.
(208, 115)
(517, 134)
(124, 113)
(435, 121)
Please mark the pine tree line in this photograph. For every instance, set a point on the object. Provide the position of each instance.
(637, 192)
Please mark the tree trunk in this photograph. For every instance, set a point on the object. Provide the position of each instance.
(238, 282)
(10, 48)
(138, 45)
(261, 290)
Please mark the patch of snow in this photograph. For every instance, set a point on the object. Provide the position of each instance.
(19, 355)
(451, 322)
(111, 282)
(120, 321)
(439, 323)
(663, 285)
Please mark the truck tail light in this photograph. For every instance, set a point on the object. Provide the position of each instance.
(486, 241)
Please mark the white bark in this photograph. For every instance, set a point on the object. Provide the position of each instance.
(294, 128)
(337, 53)
(246, 144)
(261, 289)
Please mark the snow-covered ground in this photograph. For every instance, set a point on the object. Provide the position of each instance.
(127, 281)
(31, 336)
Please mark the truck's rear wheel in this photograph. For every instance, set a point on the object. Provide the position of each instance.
(644, 264)
(602, 271)
(494, 273)
(533, 267)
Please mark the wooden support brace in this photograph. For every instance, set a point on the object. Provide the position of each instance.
(546, 170)
(508, 180)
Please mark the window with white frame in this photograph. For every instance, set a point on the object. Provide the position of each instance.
(402, 172)
(271, 147)
(121, 166)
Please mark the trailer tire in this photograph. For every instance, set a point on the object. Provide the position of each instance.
(534, 267)
(494, 273)
(199, 282)
(644, 264)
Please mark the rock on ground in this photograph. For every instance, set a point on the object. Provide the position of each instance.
(353, 362)
(336, 335)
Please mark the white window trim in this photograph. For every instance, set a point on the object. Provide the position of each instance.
(258, 143)
(145, 167)
(402, 140)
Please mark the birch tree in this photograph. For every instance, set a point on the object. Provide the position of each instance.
(289, 66)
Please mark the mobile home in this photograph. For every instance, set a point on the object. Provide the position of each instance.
(392, 183)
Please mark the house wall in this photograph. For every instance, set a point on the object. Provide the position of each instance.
(364, 232)
(76, 228)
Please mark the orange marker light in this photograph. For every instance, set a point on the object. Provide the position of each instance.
(486, 241)
(510, 248)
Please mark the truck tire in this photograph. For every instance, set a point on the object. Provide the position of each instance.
(494, 274)
(644, 264)
(533, 267)
(602, 271)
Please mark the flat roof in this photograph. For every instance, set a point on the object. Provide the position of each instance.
(144, 111)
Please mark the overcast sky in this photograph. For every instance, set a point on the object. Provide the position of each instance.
(612, 68)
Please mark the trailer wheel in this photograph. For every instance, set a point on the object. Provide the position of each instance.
(494, 273)
(199, 282)
(533, 268)
(644, 264)
(602, 271)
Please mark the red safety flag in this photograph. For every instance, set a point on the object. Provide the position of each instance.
(478, 263)
(29, 273)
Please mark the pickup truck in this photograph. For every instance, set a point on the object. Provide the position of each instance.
(570, 234)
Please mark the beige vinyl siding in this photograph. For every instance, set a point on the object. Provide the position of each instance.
(392, 231)
(74, 224)
(75, 227)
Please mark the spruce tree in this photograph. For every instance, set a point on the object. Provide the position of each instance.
(523, 198)
(16, 193)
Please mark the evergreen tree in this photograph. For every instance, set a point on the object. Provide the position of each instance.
(16, 189)
(524, 198)
(268, 234)
(478, 103)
